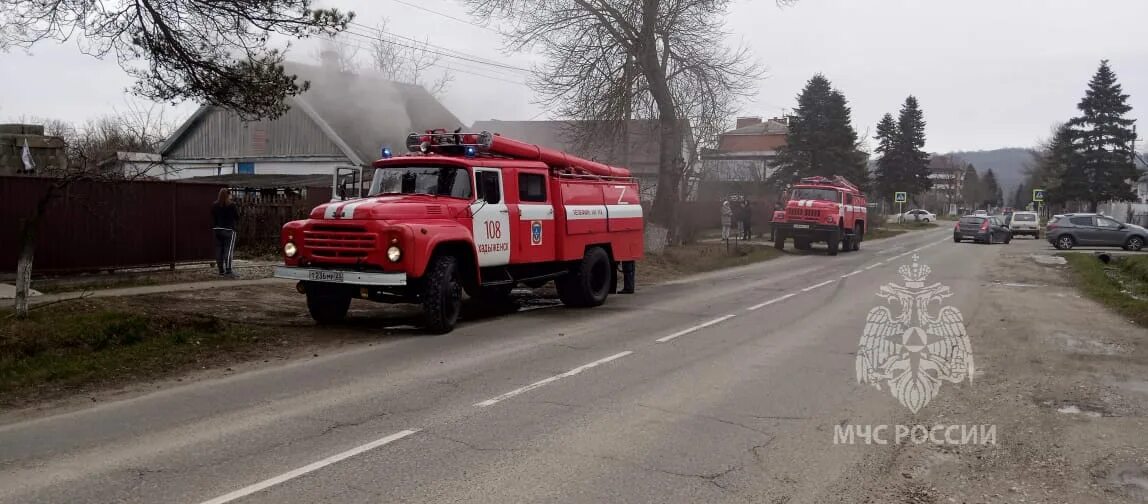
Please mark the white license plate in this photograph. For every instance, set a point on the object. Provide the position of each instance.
(801, 226)
(326, 276)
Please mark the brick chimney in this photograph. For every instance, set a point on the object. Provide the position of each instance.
(747, 121)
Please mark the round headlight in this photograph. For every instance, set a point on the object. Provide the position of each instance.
(394, 254)
(289, 249)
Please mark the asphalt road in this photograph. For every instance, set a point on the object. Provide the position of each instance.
(720, 388)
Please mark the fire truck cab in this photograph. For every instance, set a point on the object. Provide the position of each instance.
(465, 212)
(821, 209)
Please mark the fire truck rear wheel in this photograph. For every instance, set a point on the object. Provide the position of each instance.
(327, 304)
(588, 282)
(442, 294)
(858, 235)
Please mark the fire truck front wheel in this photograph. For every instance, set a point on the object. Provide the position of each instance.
(588, 282)
(327, 304)
(442, 294)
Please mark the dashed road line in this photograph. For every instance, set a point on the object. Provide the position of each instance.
(851, 273)
(771, 301)
(871, 266)
(703, 325)
(815, 286)
(289, 475)
(539, 383)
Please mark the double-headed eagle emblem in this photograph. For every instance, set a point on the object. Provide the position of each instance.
(913, 352)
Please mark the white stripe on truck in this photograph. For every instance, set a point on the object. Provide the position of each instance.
(585, 212)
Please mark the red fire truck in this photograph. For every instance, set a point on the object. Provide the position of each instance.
(467, 212)
(821, 209)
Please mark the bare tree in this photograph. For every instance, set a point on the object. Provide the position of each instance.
(950, 174)
(343, 56)
(214, 52)
(613, 60)
(138, 129)
(407, 62)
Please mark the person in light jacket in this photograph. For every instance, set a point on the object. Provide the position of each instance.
(726, 219)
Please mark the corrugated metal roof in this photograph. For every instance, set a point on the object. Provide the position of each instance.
(342, 114)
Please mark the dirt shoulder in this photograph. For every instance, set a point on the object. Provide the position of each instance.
(1065, 382)
(98, 348)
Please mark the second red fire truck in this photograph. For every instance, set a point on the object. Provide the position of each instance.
(821, 209)
(467, 212)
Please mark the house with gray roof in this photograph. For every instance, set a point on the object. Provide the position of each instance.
(638, 152)
(344, 119)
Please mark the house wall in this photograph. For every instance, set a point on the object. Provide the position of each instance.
(222, 134)
(737, 143)
(183, 169)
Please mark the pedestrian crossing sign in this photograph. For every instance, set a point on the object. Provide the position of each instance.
(900, 197)
(1038, 195)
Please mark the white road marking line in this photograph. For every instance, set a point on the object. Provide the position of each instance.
(822, 284)
(539, 383)
(267, 483)
(771, 301)
(851, 273)
(871, 266)
(684, 332)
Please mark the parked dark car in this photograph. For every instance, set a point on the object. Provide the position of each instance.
(981, 229)
(1094, 230)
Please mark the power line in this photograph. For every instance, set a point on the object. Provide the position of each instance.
(463, 60)
(444, 67)
(439, 50)
(445, 15)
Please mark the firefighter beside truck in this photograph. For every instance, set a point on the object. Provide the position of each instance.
(822, 209)
(473, 212)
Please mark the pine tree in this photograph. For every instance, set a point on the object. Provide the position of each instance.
(887, 177)
(910, 148)
(971, 187)
(1102, 137)
(821, 138)
(1052, 172)
(1021, 197)
(991, 191)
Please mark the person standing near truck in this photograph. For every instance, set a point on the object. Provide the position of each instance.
(726, 219)
(224, 220)
(746, 217)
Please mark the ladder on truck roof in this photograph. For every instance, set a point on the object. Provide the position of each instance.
(441, 142)
(836, 181)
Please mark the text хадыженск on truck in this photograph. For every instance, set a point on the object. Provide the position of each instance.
(820, 209)
(471, 212)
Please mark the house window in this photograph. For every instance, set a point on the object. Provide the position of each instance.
(531, 187)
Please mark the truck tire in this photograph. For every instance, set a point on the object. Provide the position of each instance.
(834, 242)
(858, 236)
(327, 305)
(778, 240)
(588, 283)
(442, 294)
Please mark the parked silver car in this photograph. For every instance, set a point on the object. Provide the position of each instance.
(1094, 230)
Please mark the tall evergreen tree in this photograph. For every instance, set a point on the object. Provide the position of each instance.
(1053, 164)
(990, 190)
(971, 187)
(1102, 136)
(821, 139)
(910, 148)
(1020, 197)
(887, 177)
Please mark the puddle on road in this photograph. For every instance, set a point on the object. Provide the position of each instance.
(1049, 259)
(1072, 409)
(1085, 346)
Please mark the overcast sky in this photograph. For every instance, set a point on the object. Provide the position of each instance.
(988, 73)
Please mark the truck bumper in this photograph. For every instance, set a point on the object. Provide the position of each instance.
(341, 276)
(799, 230)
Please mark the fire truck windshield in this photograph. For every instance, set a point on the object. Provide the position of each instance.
(810, 193)
(448, 181)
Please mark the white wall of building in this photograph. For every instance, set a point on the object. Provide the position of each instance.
(179, 169)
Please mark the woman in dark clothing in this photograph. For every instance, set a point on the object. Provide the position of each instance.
(224, 218)
(746, 217)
